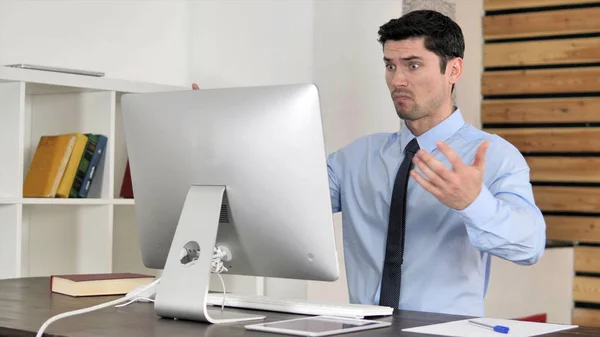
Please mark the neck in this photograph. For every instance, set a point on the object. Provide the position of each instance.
(427, 122)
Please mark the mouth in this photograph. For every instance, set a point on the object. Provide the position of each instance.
(401, 97)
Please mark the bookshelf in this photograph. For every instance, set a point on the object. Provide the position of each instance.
(45, 236)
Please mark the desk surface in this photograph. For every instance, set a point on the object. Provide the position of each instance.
(25, 304)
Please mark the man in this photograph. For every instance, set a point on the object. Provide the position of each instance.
(468, 194)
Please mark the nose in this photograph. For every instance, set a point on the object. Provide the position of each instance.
(399, 79)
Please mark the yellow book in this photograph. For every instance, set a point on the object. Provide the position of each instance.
(48, 165)
(69, 176)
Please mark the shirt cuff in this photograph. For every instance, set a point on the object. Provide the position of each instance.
(481, 210)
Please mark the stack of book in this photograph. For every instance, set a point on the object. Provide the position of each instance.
(64, 165)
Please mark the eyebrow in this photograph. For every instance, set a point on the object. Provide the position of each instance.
(408, 58)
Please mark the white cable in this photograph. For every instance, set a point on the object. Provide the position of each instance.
(135, 300)
(94, 308)
(223, 284)
(220, 253)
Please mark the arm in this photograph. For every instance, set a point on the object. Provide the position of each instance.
(334, 185)
(504, 220)
(501, 219)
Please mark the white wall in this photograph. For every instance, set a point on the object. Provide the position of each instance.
(250, 43)
(546, 287)
(349, 69)
(468, 89)
(134, 40)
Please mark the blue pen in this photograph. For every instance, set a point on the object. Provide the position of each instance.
(497, 328)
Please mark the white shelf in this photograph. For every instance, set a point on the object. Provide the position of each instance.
(9, 201)
(123, 202)
(45, 236)
(64, 201)
(44, 82)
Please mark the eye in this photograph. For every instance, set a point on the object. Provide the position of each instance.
(414, 66)
(390, 66)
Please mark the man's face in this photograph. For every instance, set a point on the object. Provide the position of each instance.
(414, 78)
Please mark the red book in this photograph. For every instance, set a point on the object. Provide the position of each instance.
(126, 186)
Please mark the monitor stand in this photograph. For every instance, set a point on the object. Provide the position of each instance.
(185, 280)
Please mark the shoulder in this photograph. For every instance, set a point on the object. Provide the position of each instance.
(361, 147)
(501, 157)
(497, 144)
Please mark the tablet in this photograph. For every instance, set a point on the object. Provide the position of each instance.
(316, 326)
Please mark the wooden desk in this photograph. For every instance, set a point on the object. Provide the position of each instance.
(25, 304)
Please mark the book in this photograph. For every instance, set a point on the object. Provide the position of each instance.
(84, 163)
(78, 285)
(64, 188)
(101, 142)
(88, 166)
(126, 186)
(48, 165)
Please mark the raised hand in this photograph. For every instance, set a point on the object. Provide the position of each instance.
(455, 187)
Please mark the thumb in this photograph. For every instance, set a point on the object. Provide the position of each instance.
(195, 86)
(479, 161)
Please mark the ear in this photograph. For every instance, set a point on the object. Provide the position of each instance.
(455, 69)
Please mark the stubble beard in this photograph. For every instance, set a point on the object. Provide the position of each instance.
(407, 110)
(410, 114)
(417, 111)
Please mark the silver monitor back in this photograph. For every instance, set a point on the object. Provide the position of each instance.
(265, 145)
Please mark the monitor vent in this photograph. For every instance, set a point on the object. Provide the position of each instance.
(224, 217)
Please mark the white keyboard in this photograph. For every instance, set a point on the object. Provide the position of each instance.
(295, 306)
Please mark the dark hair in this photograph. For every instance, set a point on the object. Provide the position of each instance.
(442, 36)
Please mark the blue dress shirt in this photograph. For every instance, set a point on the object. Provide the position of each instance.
(447, 252)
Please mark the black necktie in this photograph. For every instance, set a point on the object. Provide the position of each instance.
(394, 250)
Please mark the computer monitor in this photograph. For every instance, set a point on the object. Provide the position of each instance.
(242, 168)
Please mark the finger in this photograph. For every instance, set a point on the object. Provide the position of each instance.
(435, 165)
(452, 156)
(428, 186)
(433, 177)
(479, 161)
(195, 86)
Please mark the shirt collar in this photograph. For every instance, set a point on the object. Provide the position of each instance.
(442, 131)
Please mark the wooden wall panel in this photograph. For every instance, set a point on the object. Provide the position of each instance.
(541, 92)
(492, 5)
(546, 23)
(541, 81)
(564, 169)
(548, 140)
(586, 317)
(563, 51)
(573, 228)
(541, 110)
(587, 259)
(567, 198)
(586, 289)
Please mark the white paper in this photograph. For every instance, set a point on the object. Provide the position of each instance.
(463, 328)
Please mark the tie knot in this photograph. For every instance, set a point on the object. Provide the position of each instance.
(412, 147)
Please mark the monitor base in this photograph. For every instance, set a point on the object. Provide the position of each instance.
(185, 280)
